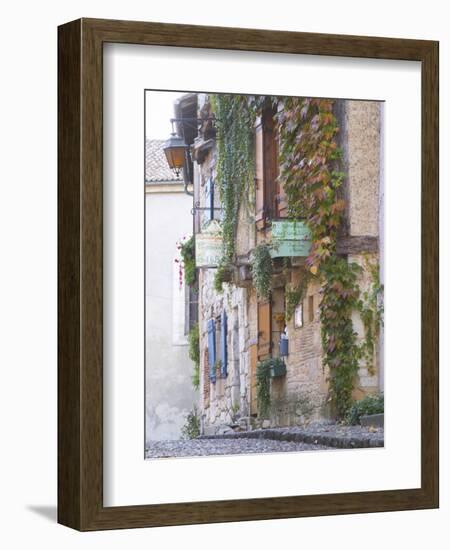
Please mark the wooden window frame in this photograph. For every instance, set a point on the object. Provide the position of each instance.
(270, 164)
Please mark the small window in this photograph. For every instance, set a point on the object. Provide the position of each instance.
(310, 309)
(192, 306)
(298, 316)
(223, 344)
(212, 350)
(209, 199)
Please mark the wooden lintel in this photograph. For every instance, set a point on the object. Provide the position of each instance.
(357, 244)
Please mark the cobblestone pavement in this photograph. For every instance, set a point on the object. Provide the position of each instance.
(210, 447)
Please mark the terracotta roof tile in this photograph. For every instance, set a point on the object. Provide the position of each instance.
(156, 168)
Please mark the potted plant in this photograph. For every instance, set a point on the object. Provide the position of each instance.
(277, 367)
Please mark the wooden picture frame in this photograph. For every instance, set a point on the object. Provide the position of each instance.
(80, 272)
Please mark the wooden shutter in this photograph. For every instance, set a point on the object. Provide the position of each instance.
(223, 344)
(206, 381)
(259, 177)
(209, 199)
(212, 349)
(282, 205)
(264, 329)
(270, 164)
(253, 395)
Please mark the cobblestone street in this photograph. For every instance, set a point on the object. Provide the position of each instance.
(211, 447)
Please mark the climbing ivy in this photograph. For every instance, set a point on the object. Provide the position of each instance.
(309, 160)
(235, 162)
(263, 386)
(221, 276)
(262, 270)
(194, 354)
(310, 172)
(371, 310)
(340, 295)
(187, 264)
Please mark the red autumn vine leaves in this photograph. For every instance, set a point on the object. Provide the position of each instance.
(308, 170)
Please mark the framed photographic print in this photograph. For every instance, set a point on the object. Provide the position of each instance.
(248, 274)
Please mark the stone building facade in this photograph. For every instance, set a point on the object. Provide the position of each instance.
(237, 329)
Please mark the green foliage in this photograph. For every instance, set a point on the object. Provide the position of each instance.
(263, 369)
(187, 251)
(191, 428)
(235, 161)
(340, 295)
(371, 310)
(221, 276)
(370, 404)
(262, 270)
(309, 158)
(263, 386)
(310, 172)
(194, 354)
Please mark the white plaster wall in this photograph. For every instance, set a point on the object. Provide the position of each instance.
(169, 392)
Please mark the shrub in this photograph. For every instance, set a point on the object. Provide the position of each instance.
(262, 269)
(371, 404)
(187, 251)
(191, 428)
(194, 354)
(263, 386)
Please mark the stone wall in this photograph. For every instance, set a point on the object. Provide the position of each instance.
(362, 144)
(368, 375)
(222, 402)
(302, 395)
(228, 398)
(363, 154)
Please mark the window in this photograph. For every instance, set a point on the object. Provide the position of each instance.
(298, 316)
(192, 305)
(209, 200)
(217, 339)
(223, 344)
(270, 197)
(212, 349)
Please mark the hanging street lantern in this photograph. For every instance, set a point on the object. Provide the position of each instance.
(175, 150)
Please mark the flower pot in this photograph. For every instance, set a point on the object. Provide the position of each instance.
(277, 370)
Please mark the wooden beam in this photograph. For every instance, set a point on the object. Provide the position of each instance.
(357, 244)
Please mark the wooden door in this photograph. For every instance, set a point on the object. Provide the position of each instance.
(264, 329)
(253, 396)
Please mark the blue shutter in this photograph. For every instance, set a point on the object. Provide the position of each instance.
(212, 350)
(209, 192)
(223, 344)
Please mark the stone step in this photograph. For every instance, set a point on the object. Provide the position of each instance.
(327, 439)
